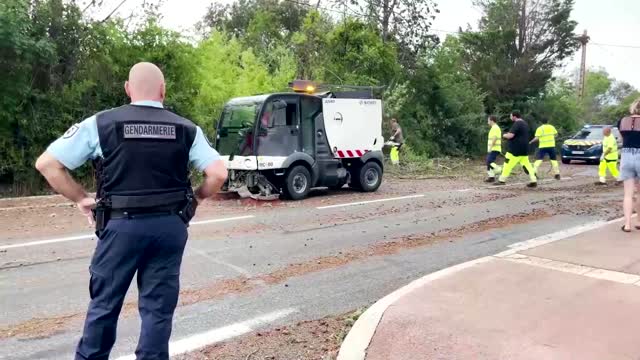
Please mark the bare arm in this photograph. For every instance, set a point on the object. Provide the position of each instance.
(214, 177)
(534, 140)
(61, 181)
(59, 178)
(509, 136)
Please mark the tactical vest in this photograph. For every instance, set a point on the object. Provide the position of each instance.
(145, 157)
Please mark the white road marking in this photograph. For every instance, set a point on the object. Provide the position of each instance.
(464, 190)
(31, 197)
(198, 341)
(29, 207)
(354, 346)
(584, 270)
(370, 202)
(220, 262)
(211, 221)
(44, 242)
(522, 183)
(89, 236)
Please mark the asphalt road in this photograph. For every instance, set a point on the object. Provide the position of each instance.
(249, 267)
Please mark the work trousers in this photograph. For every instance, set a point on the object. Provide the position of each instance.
(512, 161)
(612, 165)
(152, 246)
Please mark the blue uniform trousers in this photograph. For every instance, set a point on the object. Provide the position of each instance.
(153, 246)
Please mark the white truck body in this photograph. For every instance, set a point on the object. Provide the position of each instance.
(354, 126)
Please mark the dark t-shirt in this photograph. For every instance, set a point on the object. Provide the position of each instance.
(519, 145)
(630, 130)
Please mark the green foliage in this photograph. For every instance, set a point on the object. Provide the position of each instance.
(560, 105)
(440, 106)
(518, 46)
(59, 67)
(356, 54)
(226, 69)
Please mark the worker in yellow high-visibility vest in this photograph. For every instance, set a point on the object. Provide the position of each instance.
(494, 149)
(609, 158)
(546, 136)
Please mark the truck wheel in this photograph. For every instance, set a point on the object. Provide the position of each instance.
(370, 177)
(298, 183)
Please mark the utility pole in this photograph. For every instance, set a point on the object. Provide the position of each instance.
(584, 39)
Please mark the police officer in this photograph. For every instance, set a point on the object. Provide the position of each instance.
(609, 158)
(518, 153)
(546, 136)
(494, 149)
(144, 202)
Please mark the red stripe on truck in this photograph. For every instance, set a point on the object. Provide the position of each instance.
(350, 153)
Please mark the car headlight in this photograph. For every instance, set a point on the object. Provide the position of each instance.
(565, 147)
(596, 147)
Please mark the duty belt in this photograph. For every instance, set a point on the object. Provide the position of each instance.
(181, 203)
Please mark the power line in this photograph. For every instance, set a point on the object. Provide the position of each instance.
(619, 45)
(324, 8)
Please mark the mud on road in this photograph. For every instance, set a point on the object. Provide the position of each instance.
(390, 232)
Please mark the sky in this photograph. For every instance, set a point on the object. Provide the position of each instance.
(611, 24)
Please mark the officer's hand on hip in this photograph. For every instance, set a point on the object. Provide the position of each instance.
(86, 205)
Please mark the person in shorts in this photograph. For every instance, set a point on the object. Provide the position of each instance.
(629, 128)
(546, 139)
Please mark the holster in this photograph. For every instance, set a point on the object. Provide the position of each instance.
(100, 217)
(188, 211)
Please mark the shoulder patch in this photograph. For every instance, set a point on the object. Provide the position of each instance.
(71, 131)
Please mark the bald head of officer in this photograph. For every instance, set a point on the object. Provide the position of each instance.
(146, 82)
(144, 202)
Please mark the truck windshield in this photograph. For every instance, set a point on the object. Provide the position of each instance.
(590, 134)
(235, 132)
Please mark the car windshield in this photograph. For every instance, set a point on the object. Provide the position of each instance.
(589, 134)
(235, 131)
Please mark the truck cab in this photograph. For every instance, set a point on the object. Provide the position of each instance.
(288, 143)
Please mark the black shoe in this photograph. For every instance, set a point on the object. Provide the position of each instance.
(490, 180)
(532, 185)
(500, 183)
(558, 177)
(600, 183)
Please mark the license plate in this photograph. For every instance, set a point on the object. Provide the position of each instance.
(578, 153)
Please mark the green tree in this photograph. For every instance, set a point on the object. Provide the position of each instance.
(440, 105)
(226, 69)
(519, 44)
(356, 55)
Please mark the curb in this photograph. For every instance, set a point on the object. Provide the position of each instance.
(355, 344)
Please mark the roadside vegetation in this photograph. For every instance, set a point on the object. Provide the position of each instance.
(60, 63)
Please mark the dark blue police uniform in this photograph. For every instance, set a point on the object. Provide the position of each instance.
(141, 153)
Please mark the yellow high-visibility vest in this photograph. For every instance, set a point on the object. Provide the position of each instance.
(610, 142)
(494, 133)
(546, 134)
